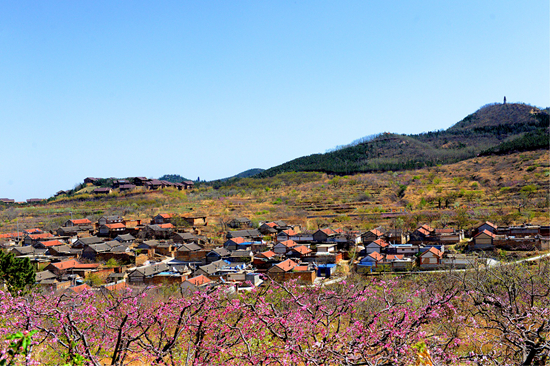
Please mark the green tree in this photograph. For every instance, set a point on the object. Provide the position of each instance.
(17, 274)
(399, 224)
(112, 262)
(94, 280)
(528, 190)
(462, 218)
(179, 222)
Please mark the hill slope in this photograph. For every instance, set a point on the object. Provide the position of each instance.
(246, 174)
(489, 127)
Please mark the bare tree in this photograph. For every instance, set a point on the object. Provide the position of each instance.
(509, 307)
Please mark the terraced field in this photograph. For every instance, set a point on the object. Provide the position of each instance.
(504, 189)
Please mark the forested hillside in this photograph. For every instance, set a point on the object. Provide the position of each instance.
(494, 128)
(246, 174)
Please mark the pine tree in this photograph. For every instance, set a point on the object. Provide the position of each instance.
(17, 274)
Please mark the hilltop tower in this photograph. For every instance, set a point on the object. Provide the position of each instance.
(504, 99)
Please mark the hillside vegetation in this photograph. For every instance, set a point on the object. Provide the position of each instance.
(495, 128)
(507, 189)
(246, 174)
(174, 178)
(479, 169)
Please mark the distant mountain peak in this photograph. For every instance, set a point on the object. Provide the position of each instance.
(496, 114)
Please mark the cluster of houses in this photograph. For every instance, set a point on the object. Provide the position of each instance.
(116, 252)
(525, 237)
(9, 201)
(129, 184)
(121, 185)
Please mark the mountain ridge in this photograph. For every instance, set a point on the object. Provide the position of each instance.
(479, 132)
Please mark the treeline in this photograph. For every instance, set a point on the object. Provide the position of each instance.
(540, 139)
(174, 178)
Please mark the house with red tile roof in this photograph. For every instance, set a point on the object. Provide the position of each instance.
(449, 235)
(394, 257)
(231, 244)
(489, 226)
(290, 270)
(266, 255)
(398, 262)
(112, 230)
(483, 240)
(285, 266)
(375, 257)
(284, 246)
(12, 235)
(77, 222)
(428, 228)
(110, 219)
(162, 218)
(378, 245)
(323, 235)
(423, 234)
(32, 239)
(268, 228)
(371, 236)
(299, 251)
(286, 234)
(430, 258)
(370, 262)
(196, 283)
(71, 266)
(48, 244)
(117, 226)
(265, 260)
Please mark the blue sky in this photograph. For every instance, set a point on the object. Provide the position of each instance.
(211, 88)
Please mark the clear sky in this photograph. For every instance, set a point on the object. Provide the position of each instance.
(212, 88)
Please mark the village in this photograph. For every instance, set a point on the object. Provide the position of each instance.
(170, 249)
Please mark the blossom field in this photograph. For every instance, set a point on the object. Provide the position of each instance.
(483, 316)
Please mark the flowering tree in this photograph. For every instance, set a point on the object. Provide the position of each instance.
(279, 324)
(509, 309)
(446, 318)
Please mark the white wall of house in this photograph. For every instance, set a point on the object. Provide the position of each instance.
(326, 248)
